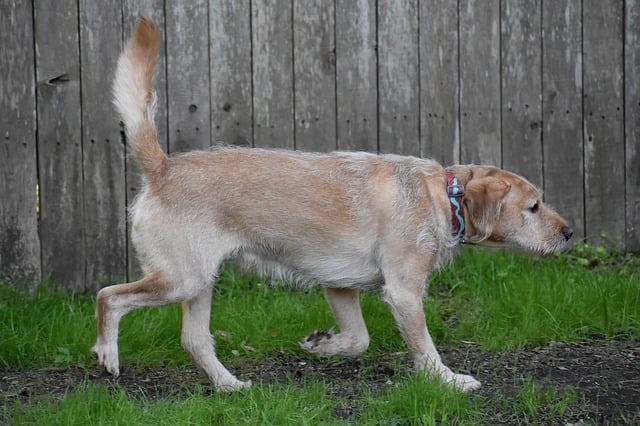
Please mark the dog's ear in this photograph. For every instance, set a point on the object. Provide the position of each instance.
(483, 201)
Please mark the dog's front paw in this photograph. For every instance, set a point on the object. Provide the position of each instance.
(107, 356)
(464, 382)
(233, 385)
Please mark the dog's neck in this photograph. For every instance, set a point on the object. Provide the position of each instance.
(455, 192)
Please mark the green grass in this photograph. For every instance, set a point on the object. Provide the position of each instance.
(515, 301)
(90, 405)
(496, 299)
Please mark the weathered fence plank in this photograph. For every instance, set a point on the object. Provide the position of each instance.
(187, 23)
(272, 35)
(522, 88)
(480, 82)
(131, 12)
(59, 142)
(230, 57)
(632, 120)
(398, 77)
(103, 150)
(356, 75)
(603, 120)
(19, 242)
(562, 109)
(314, 73)
(439, 94)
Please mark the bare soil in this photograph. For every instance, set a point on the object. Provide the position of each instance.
(605, 376)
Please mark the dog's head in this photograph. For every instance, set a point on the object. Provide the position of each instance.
(503, 209)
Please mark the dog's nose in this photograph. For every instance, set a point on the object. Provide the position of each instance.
(567, 232)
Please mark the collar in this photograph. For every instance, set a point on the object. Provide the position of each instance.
(455, 192)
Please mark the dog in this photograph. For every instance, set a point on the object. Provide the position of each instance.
(349, 221)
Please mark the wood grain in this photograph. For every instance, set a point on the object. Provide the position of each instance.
(314, 61)
(59, 143)
(103, 161)
(356, 75)
(603, 120)
(562, 110)
(398, 77)
(439, 89)
(632, 123)
(522, 88)
(19, 242)
(272, 38)
(480, 141)
(230, 74)
(188, 75)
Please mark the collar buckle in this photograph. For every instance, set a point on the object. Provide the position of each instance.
(455, 189)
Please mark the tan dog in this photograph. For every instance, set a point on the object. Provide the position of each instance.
(348, 221)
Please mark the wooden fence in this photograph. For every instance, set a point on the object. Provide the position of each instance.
(546, 88)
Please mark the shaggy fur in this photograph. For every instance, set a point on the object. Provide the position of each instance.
(348, 221)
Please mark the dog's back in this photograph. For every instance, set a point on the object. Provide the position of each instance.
(292, 209)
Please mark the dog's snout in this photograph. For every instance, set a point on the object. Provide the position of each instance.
(567, 232)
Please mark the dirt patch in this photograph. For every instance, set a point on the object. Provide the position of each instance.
(605, 377)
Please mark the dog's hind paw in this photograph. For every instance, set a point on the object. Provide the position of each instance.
(107, 357)
(317, 342)
(330, 343)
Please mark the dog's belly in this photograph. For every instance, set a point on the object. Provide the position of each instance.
(350, 271)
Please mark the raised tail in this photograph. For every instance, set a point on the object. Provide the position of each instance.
(135, 100)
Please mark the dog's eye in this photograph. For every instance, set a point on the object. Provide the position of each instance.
(534, 208)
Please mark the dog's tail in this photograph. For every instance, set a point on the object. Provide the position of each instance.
(135, 100)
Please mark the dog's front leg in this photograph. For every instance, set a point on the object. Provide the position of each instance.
(405, 301)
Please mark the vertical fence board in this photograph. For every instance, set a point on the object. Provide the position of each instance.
(230, 62)
(188, 75)
(439, 104)
(59, 142)
(272, 36)
(103, 150)
(562, 110)
(603, 121)
(522, 89)
(356, 75)
(19, 243)
(480, 82)
(314, 75)
(131, 12)
(632, 120)
(398, 77)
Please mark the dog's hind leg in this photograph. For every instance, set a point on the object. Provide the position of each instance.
(353, 338)
(197, 341)
(113, 303)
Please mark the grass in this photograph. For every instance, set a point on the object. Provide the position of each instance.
(260, 405)
(496, 299)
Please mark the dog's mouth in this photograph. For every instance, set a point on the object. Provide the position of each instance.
(542, 248)
(547, 248)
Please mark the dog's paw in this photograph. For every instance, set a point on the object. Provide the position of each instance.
(464, 382)
(319, 342)
(233, 385)
(107, 356)
(329, 343)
